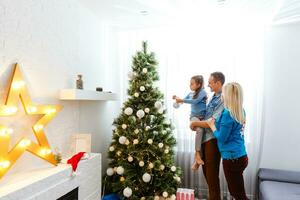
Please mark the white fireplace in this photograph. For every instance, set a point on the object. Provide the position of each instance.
(54, 182)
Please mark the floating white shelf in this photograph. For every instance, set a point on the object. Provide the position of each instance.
(75, 94)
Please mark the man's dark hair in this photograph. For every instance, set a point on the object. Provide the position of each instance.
(218, 76)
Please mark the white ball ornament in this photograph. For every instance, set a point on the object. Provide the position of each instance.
(120, 170)
(146, 177)
(122, 139)
(127, 192)
(166, 151)
(147, 128)
(178, 179)
(136, 131)
(141, 163)
(143, 198)
(111, 148)
(173, 168)
(124, 126)
(140, 114)
(156, 198)
(147, 110)
(135, 141)
(130, 75)
(173, 197)
(161, 111)
(161, 167)
(145, 70)
(110, 171)
(160, 145)
(165, 194)
(151, 165)
(164, 132)
(128, 111)
(136, 94)
(130, 159)
(142, 88)
(158, 104)
(150, 141)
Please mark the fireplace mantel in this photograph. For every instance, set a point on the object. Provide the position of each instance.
(53, 182)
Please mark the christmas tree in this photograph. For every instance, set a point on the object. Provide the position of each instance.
(141, 151)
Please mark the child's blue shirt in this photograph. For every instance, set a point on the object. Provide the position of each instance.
(198, 105)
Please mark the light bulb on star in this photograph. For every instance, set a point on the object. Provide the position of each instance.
(25, 143)
(38, 127)
(17, 84)
(4, 164)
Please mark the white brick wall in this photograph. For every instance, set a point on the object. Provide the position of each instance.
(54, 40)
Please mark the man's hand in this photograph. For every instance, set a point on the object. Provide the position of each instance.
(211, 124)
(174, 97)
(193, 126)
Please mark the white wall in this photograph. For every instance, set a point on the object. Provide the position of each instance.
(281, 131)
(54, 41)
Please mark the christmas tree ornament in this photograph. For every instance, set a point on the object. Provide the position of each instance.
(147, 128)
(130, 159)
(127, 192)
(135, 141)
(122, 139)
(127, 142)
(115, 169)
(145, 70)
(173, 169)
(130, 75)
(150, 141)
(122, 179)
(143, 198)
(156, 197)
(151, 165)
(166, 151)
(146, 177)
(120, 170)
(164, 132)
(141, 163)
(158, 104)
(142, 88)
(119, 153)
(165, 194)
(136, 131)
(160, 111)
(136, 94)
(161, 167)
(160, 145)
(111, 148)
(147, 110)
(110, 171)
(173, 197)
(124, 126)
(140, 114)
(128, 111)
(176, 105)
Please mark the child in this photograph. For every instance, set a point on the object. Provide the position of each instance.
(197, 98)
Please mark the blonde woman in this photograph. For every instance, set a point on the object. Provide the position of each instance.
(228, 130)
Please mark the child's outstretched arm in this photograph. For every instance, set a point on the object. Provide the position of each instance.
(200, 97)
(201, 124)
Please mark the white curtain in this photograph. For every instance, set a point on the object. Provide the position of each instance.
(223, 40)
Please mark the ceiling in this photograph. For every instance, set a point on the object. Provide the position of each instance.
(143, 13)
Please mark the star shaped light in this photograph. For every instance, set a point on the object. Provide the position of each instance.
(18, 91)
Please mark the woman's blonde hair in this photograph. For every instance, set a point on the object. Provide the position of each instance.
(233, 101)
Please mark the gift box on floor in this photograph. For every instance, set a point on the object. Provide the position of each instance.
(185, 194)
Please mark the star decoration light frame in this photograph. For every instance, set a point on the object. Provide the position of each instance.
(18, 91)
